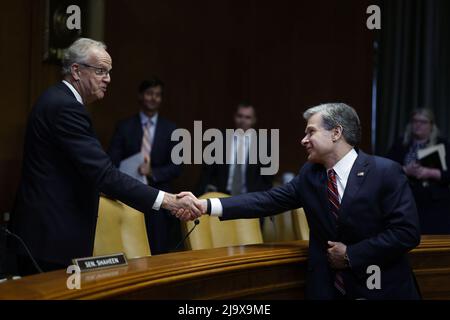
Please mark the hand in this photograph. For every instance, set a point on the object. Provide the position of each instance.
(201, 204)
(411, 170)
(188, 202)
(336, 255)
(145, 168)
(424, 173)
(421, 173)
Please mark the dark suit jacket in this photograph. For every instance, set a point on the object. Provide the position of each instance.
(64, 170)
(377, 221)
(127, 141)
(217, 175)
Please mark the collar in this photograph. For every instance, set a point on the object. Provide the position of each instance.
(145, 119)
(343, 166)
(74, 91)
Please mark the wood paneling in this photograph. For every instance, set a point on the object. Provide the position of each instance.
(283, 56)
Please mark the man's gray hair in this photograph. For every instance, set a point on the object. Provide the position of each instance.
(338, 114)
(79, 52)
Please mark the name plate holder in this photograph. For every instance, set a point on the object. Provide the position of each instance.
(100, 262)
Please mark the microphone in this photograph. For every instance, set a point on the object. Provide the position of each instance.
(196, 222)
(9, 233)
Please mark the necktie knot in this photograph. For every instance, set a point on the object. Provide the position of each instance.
(332, 175)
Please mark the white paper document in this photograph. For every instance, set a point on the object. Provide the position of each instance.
(130, 166)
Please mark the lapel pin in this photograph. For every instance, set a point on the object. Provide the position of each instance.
(360, 174)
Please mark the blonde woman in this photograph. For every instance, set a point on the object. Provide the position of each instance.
(430, 185)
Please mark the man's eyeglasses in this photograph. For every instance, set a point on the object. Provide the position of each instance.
(98, 71)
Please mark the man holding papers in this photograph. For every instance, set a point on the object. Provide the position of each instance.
(141, 147)
(65, 167)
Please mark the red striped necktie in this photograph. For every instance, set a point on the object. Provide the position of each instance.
(335, 204)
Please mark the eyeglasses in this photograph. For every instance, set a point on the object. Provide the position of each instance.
(98, 71)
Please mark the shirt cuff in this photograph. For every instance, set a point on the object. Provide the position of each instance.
(159, 200)
(216, 207)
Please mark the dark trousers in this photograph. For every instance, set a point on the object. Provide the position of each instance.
(163, 231)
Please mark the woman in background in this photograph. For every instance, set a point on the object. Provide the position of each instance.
(430, 186)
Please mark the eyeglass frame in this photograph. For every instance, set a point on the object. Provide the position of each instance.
(98, 71)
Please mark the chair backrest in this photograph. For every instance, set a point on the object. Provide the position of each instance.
(213, 233)
(120, 228)
(300, 224)
(279, 227)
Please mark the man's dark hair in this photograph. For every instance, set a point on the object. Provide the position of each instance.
(151, 83)
(245, 104)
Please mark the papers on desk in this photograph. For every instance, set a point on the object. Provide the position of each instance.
(130, 166)
(433, 157)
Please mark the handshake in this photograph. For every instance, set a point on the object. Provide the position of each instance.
(185, 206)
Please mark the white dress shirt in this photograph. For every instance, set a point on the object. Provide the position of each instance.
(233, 159)
(74, 91)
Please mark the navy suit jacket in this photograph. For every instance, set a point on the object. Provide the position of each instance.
(64, 170)
(127, 141)
(377, 221)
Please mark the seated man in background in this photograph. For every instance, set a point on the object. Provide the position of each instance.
(232, 177)
(148, 132)
(360, 211)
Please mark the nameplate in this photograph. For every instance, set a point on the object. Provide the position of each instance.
(101, 262)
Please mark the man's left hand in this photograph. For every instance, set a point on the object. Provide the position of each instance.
(336, 255)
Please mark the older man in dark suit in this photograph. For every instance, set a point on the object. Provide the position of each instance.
(65, 167)
(360, 209)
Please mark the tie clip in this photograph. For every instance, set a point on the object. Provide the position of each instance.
(360, 174)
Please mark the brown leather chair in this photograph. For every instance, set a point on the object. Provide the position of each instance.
(213, 233)
(120, 228)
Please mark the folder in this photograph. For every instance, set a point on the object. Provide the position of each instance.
(433, 157)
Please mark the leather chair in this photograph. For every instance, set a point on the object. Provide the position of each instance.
(213, 233)
(120, 228)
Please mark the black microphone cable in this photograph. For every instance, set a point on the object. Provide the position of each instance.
(25, 246)
(196, 222)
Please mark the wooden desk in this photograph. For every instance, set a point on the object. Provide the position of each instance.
(265, 271)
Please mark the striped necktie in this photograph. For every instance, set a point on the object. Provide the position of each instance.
(146, 142)
(335, 204)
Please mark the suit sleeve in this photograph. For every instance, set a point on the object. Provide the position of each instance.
(265, 203)
(74, 135)
(401, 225)
(116, 147)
